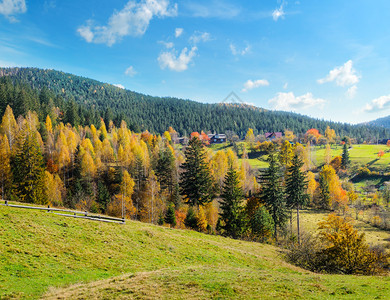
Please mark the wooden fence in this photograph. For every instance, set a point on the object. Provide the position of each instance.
(69, 213)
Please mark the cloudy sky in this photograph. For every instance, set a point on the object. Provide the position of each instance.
(327, 59)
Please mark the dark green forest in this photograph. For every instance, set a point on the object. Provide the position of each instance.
(82, 101)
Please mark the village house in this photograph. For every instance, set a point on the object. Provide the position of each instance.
(273, 135)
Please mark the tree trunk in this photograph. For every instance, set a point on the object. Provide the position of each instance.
(299, 239)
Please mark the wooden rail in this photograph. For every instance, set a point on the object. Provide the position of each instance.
(69, 213)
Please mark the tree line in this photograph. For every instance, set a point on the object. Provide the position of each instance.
(84, 101)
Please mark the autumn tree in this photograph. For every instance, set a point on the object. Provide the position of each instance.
(286, 154)
(196, 182)
(5, 167)
(231, 205)
(296, 186)
(55, 189)
(122, 204)
(250, 138)
(272, 193)
(330, 134)
(9, 126)
(346, 250)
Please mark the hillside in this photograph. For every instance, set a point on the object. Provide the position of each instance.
(85, 100)
(44, 254)
(382, 122)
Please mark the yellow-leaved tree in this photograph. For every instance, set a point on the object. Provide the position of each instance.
(122, 205)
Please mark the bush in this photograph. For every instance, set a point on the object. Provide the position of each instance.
(338, 248)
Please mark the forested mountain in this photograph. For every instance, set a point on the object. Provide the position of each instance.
(381, 122)
(80, 100)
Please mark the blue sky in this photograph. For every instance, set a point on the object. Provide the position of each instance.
(326, 59)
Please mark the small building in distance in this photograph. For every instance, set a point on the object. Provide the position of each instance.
(273, 135)
(217, 138)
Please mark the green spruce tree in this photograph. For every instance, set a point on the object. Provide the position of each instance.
(345, 160)
(196, 181)
(28, 169)
(296, 186)
(232, 213)
(272, 193)
(170, 217)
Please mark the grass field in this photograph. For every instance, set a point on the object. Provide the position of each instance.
(362, 155)
(44, 255)
(310, 218)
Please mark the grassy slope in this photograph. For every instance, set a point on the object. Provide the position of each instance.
(359, 154)
(310, 218)
(41, 253)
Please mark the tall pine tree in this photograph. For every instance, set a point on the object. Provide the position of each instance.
(345, 160)
(196, 182)
(272, 193)
(296, 186)
(28, 169)
(231, 205)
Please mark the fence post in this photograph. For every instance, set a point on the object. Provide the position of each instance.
(6, 202)
(49, 208)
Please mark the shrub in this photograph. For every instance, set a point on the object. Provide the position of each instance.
(338, 248)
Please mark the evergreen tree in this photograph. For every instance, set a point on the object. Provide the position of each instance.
(103, 196)
(296, 186)
(345, 160)
(191, 221)
(262, 224)
(170, 217)
(166, 171)
(231, 205)
(272, 194)
(28, 169)
(196, 182)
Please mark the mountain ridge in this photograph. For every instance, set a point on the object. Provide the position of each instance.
(94, 100)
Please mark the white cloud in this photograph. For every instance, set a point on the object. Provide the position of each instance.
(176, 63)
(288, 101)
(212, 9)
(132, 20)
(236, 51)
(249, 85)
(378, 104)
(200, 37)
(168, 45)
(351, 92)
(278, 13)
(344, 75)
(178, 32)
(130, 71)
(119, 86)
(9, 8)
(285, 86)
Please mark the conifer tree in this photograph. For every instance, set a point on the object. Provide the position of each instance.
(345, 160)
(170, 217)
(272, 193)
(296, 186)
(196, 182)
(231, 205)
(28, 169)
(190, 221)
